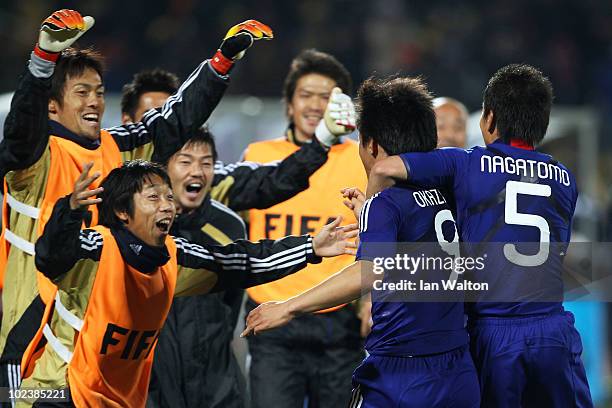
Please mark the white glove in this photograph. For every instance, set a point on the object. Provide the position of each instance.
(338, 120)
(60, 30)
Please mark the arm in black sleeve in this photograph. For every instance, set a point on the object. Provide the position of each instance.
(170, 126)
(243, 186)
(26, 125)
(63, 243)
(243, 263)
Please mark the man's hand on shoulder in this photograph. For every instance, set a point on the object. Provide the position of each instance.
(384, 173)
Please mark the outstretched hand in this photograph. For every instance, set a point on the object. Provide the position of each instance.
(332, 240)
(81, 196)
(267, 316)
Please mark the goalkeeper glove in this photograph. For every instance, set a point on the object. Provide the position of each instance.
(59, 31)
(237, 40)
(338, 120)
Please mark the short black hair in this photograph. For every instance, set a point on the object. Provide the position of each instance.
(312, 61)
(203, 136)
(153, 80)
(71, 63)
(520, 97)
(120, 186)
(397, 113)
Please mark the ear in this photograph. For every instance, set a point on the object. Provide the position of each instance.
(126, 118)
(373, 148)
(53, 105)
(289, 109)
(490, 122)
(123, 216)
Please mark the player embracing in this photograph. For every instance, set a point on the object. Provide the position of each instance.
(418, 350)
(527, 352)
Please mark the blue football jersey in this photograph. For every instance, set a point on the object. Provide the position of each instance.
(422, 219)
(516, 204)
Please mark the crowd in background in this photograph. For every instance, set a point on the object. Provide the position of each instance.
(455, 46)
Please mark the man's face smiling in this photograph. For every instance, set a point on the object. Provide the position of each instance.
(191, 170)
(308, 104)
(153, 212)
(82, 105)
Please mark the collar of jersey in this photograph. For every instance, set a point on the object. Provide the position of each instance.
(192, 220)
(139, 255)
(519, 144)
(59, 130)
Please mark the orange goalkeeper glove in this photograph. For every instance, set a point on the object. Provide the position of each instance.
(237, 40)
(59, 31)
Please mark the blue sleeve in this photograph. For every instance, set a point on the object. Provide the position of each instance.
(435, 169)
(378, 228)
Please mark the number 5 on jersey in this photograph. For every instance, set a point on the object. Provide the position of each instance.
(513, 217)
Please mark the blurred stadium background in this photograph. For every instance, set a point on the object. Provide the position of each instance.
(455, 46)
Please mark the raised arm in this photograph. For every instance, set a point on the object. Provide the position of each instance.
(244, 264)
(26, 126)
(246, 185)
(164, 130)
(63, 243)
(243, 186)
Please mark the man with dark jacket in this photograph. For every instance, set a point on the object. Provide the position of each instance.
(194, 365)
(195, 342)
(52, 128)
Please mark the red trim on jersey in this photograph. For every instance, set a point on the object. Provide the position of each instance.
(521, 144)
(220, 63)
(46, 55)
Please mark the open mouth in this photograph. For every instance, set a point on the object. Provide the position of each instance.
(163, 225)
(313, 119)
(92, 118)
(194, 188)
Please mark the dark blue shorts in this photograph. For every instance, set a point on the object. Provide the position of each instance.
(529, 361)
(446, 380)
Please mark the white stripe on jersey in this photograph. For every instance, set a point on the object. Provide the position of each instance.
(205, 252)
(150, 116)
(93, 237)
(192, 249)
(128, 129)
(91, 241)
(178, 96)
(283, 259)
(11, 384)
(225, 209)
(365, 213)
(286, 252)
(356, 397)
(224, 170)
